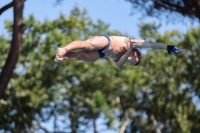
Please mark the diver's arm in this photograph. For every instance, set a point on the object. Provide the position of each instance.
(123, 59)
(155, 45)
(146, 44)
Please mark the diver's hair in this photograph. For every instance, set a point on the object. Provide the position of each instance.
(138, 54)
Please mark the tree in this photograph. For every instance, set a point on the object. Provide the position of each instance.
(17, 31)
(41, 89)
(154, 97)
(13, 55)
(188, 8)
(165, 103)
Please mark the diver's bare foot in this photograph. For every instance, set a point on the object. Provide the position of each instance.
(61, 52)
(58, 59)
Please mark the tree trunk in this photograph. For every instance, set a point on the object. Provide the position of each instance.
(125, 123)
(95, 123)
(15, 46)
(73, 115)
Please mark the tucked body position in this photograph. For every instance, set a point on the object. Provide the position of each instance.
(119, 49)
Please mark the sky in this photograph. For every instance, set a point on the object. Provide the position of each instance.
(113, 12)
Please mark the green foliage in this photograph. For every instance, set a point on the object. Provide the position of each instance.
(172, 10)
(156, 95)
(171, 83)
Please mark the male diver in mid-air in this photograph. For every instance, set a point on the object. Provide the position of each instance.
(119, 49)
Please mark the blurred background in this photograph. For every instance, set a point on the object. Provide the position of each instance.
(37, 95)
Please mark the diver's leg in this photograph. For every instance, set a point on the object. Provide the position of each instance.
(95, 43)
(88, 56)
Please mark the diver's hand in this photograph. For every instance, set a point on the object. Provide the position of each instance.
(128, 43)
(174, 49)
